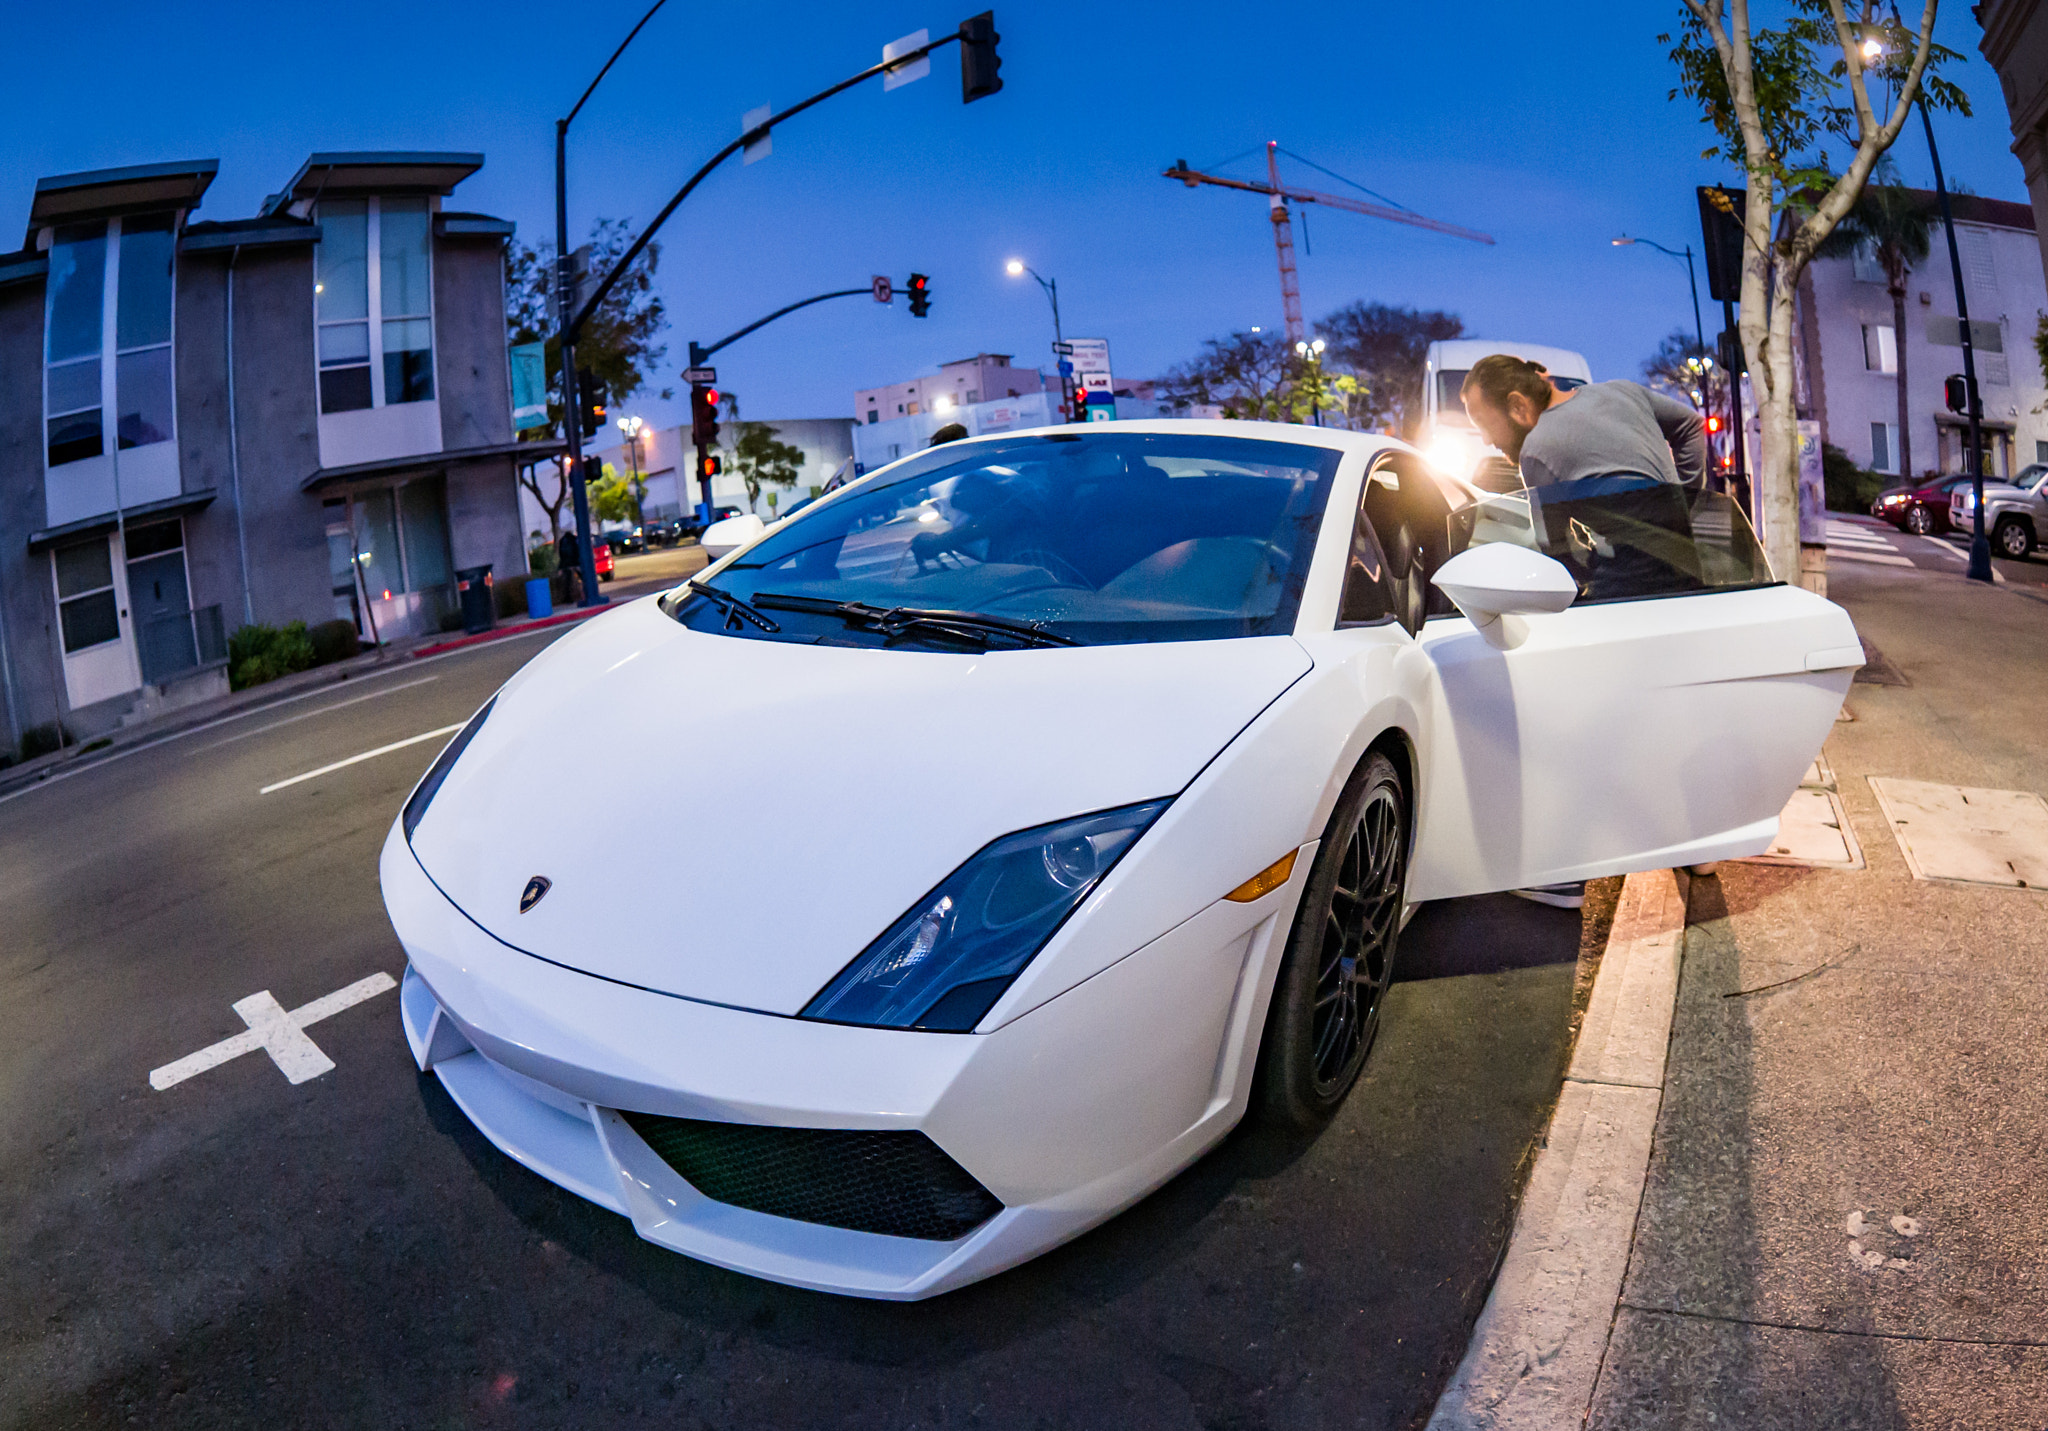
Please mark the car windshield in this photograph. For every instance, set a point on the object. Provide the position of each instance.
(1096, 538)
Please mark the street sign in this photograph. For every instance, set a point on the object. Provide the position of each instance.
(916, 69)
(1091, 361)
(700, 375)
(885, 291)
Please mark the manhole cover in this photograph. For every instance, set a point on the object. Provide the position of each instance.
(1814, 830)
(1952, 832)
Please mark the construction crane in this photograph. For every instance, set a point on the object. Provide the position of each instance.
(1283, 226)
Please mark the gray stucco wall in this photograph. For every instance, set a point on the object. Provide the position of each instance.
(28, 608)
(212, 566)
(475, 382)
(277, 425)
(483, 517)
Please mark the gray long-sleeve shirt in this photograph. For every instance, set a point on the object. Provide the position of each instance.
(1616, 427)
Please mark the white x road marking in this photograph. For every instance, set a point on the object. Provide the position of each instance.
(279, 1033)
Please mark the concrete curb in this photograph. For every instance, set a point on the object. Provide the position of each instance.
(1537, 1349)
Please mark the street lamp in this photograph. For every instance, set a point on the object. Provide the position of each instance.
(1017, 268)
(1699, 331)
(631, 426)
(1311, 353)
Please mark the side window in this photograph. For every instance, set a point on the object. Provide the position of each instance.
(1623, 536)
(1411, 519)
(1370, 595)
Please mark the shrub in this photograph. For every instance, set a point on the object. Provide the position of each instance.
(543, 560)
(333, 641)
(42, 739)
(263, 653)
(1849, 487)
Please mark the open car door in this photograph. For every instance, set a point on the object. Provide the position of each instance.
(1663, 717)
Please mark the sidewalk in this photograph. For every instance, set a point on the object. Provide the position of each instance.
(638, 576)
(1844, 1221)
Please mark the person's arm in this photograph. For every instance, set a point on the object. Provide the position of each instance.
(1686, 431)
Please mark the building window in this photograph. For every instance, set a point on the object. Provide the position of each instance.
(1884, 446)
(400, 539)
(873, 417)
(128, 261)
(1864, 264)
(1880, 348)
(2040, 450)
(374, 256)
(86, 609)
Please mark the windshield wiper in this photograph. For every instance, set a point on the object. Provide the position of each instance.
(898, 620)
(735, 609)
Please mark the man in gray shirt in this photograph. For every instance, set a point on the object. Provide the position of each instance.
(1590, 431)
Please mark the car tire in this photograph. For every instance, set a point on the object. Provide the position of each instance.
(1333, 980)
(2013, 538)
(1919, 521)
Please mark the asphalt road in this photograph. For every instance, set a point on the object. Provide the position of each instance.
(237, 1250)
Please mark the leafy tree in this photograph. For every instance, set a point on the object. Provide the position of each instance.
(1385, 347)
(618, 346)
(1777, 99)
(612, 498)
(1688, 372)
(1894, 223)
(1245, 374)
(759, 458)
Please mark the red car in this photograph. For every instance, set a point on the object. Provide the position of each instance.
(601, 557)
(1921, 509)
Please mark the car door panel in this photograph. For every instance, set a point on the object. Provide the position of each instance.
(1623, 735)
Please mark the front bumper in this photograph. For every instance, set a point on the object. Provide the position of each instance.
(1066, 1115)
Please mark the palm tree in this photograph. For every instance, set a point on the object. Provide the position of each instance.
(1894, 222)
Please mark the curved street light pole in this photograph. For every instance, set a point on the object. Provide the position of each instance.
(1052, 294)
(1699, 331)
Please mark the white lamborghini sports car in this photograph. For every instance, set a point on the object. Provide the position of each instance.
(1040, 804)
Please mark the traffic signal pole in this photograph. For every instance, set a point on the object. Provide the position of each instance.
(565, 295)
(700, 424)
(572, 410)
(1980, 544)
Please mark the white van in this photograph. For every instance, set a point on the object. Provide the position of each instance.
(1448, 438)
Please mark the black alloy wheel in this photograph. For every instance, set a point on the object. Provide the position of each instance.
(2013, 538)
(1919, 521)
(1333, 981)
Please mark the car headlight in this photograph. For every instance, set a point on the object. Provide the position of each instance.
(945, 963)
(423, 793)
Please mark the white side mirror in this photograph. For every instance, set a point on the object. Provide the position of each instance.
(1498, 579)
(724, 538)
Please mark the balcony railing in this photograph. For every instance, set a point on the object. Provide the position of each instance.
(177, 643)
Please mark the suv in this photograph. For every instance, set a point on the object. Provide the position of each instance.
(2015, 510)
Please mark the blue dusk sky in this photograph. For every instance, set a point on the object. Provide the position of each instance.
(1553, 136)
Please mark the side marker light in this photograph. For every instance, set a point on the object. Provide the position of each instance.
(1266, 880)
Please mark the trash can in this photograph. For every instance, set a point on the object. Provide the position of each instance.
(540, 601)
(478, 612)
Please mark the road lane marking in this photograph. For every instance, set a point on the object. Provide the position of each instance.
(309, 715)
(1874, 558)
(278, 1032)
(366, 755)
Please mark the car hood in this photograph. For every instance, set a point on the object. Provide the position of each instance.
(733, 820)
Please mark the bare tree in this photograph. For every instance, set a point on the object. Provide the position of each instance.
(1776, 103)
(1385, 345)
(1245, 374)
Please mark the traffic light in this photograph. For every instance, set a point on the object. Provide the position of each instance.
(978, 61)
(704, 416)
(708, 467)
(1955, 393)
(589, 402)
(920, 290)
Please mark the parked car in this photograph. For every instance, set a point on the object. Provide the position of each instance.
(1921, 508)
(601, 557)
(1145, 737)
(626, 540)
(660, 534)
(2015, 510)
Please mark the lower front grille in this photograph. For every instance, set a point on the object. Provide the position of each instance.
(900, 1184)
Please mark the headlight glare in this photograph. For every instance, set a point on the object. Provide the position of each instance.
(948, 959)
